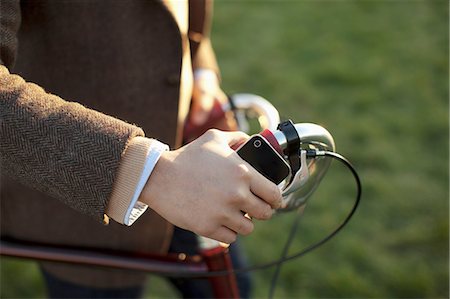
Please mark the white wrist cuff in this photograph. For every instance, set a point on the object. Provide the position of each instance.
(137, 208)
(205, 73)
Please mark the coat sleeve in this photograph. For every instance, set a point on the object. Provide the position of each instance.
(61, 148)
(200, 19)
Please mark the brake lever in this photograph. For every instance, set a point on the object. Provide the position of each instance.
(300, 178)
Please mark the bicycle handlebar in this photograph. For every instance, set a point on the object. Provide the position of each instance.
(312, 137)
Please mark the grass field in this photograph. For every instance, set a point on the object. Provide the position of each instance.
(375, 73)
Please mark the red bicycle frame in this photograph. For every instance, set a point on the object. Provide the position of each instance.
(211, 259)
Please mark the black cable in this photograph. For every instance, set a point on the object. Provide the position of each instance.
(288, 244)
(310, 154)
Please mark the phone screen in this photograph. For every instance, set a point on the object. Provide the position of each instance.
(260, 154)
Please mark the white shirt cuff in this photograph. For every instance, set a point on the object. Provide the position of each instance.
(137, 208)
(202, 72)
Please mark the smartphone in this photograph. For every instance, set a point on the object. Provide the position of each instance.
(258, 152)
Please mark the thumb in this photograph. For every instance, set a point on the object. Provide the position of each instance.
(235, 139)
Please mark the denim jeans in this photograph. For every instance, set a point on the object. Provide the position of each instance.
(185, 241)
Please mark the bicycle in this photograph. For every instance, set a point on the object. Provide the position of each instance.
(304, 147)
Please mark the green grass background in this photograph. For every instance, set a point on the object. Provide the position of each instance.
(375, 74)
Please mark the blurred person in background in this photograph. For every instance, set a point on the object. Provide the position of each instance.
(136, 61)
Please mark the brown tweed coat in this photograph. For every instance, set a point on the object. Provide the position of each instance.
(121, 58)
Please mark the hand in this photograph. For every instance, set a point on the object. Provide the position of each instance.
(205, 97)
(206, 91)
(205, 187)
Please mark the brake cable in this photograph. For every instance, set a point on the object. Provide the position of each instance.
(295, 225)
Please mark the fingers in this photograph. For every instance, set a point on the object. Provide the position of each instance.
(233, 225)
(224, 234)
(240, 224)
(229, 139)
(234, 138)
(265, 189)
(257, 208)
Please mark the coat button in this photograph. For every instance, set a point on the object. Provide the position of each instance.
(173, 79)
